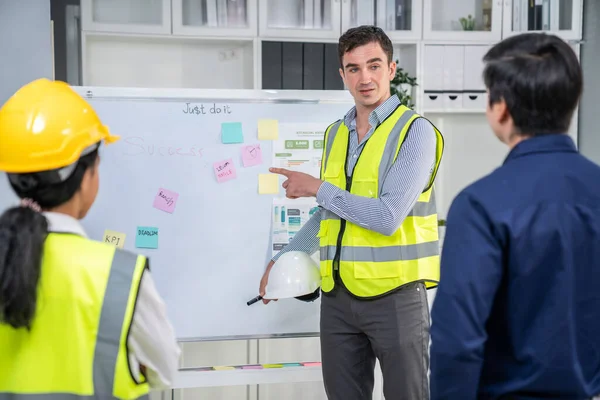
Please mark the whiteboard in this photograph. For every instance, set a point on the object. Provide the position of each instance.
(213, 248)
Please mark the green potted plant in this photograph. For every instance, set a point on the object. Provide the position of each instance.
(402, 86)
(468, 24)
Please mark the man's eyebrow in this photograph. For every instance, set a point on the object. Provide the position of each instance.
(370, 61)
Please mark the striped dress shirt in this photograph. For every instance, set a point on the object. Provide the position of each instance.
(402, 186)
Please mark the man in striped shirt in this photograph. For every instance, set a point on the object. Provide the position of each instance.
(390, 325)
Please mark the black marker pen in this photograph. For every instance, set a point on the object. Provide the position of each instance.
(254, 300)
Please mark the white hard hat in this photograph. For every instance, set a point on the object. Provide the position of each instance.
(294, 274)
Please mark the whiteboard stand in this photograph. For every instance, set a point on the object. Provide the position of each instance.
(188, 378)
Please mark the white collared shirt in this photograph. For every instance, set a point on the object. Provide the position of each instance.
(151, 341)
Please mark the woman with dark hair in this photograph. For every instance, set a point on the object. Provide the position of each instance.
(78, 318)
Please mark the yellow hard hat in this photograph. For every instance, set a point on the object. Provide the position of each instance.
(46, 125)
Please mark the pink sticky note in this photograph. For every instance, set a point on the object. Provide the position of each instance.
(251, 155)
(165, 200)
(311, 364)
(254, 366)
(224, 170)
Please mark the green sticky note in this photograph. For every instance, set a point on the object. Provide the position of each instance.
(231, 132)
(146, 237)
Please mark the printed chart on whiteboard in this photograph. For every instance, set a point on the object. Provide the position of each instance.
(288, 217)
(299, 147)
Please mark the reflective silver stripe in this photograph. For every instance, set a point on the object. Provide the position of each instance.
(112, 317)
(382, 254)
(389, 153)
(58, 396)
(330, 138)
(323, 252)
(108, 340)
(424, 208)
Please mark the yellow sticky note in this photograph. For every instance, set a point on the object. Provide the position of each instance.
(114, 238)
(272, 365)
(268, 129)
(223, 368)
(268, 183)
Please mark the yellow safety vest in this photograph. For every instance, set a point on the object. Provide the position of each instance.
(371, 264)
(77, 346)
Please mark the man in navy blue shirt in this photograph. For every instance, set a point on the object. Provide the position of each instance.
(517, 311)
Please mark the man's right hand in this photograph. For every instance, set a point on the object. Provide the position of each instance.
(264, 281)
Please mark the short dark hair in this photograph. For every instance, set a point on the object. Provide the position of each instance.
(539, 77)
(361, 35)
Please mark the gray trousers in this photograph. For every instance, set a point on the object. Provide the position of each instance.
(394, 329)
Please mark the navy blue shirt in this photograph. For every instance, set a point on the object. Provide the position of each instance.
(517, 311)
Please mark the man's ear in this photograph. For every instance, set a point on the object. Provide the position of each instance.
(343, 76)
(393, 67)
(501, 110)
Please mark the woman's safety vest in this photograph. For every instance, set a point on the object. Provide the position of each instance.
(371, 264)
(77, 345)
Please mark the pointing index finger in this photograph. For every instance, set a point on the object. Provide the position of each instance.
(281, 171)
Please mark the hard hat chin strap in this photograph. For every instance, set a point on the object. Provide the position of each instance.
(311, 296)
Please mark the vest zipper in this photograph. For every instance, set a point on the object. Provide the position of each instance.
(338, 250)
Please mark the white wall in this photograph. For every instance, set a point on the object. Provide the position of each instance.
(464, 134)
(26, 45)
(589, 140)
